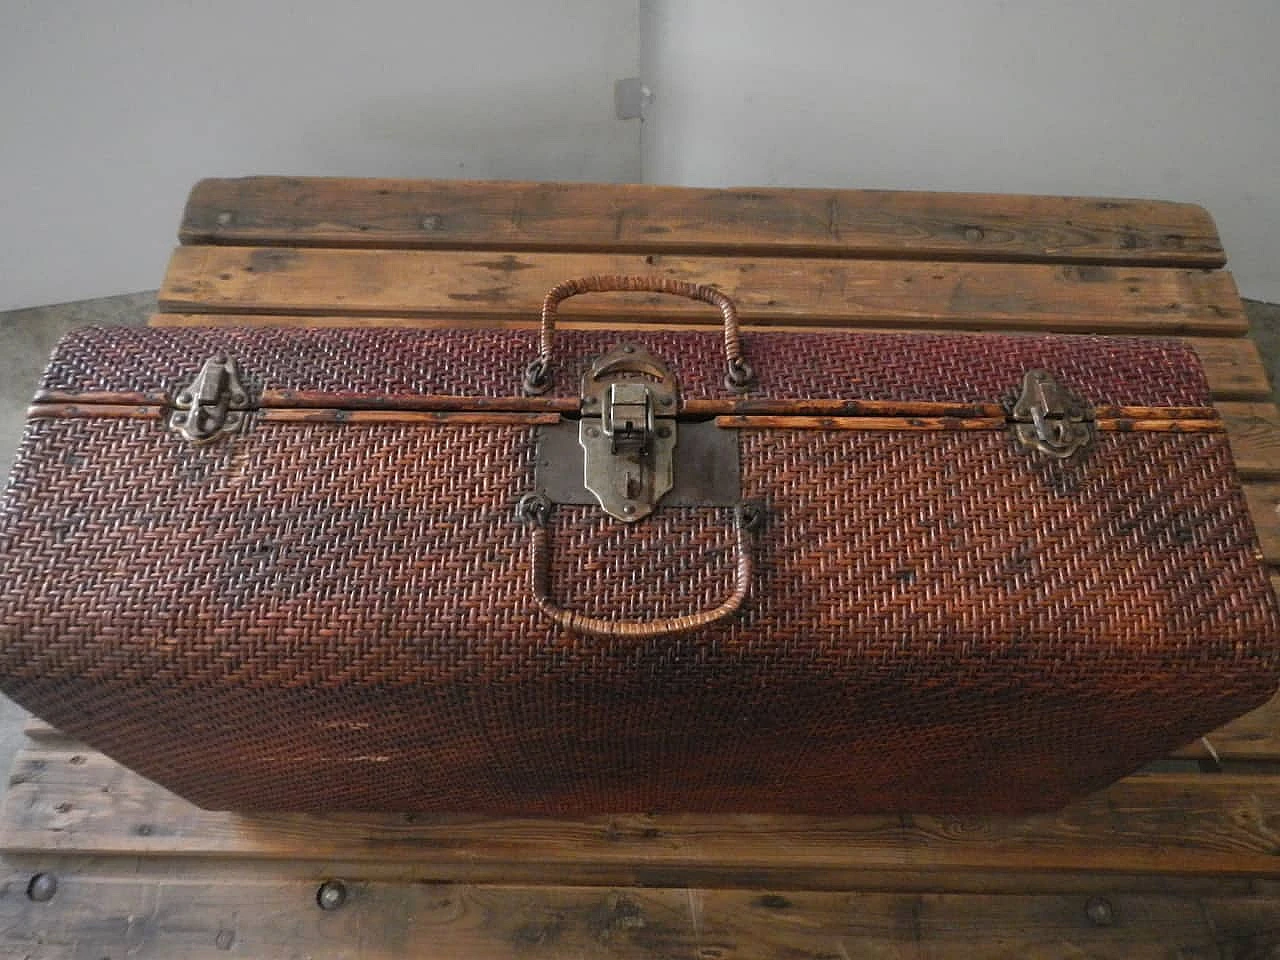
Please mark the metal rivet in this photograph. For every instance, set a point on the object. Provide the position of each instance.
(629, 509)
(42, 887)
(432, 222)
(184, 398)
(664, 431)
(973, 234)
(179, 418)
(224, 218)
(628, 349)
(593, 432)
(331, 895)
(1100, 912)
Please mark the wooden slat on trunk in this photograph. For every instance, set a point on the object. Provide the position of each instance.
(443, 214)
(510, 286)
(75, 802)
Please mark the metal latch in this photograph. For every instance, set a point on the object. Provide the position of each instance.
(628, 431)
(212, 404)
(1046, 417)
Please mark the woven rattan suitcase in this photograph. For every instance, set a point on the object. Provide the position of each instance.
(392, 569)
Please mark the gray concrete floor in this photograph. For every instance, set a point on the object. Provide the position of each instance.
(27, 337)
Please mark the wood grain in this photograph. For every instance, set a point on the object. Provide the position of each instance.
(1264, 507)
(1233, 367)
(1253, 737)
(928, 423)
(655, 219)
(508, 285)
(255, 913)
(71, 802)
(1254, 429)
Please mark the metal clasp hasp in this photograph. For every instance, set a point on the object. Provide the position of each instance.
(1047, 418)
(212, 404)
(628, 431)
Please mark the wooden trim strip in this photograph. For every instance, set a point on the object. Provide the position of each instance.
(284, 400)
(63, 411)
(769, 221)
(709, 407)
(100, 397)
(354, 401)
(951, 423)
(739, 422)
(446, 418)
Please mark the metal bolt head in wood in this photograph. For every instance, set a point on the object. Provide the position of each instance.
(1100, 912)
(42, 887)
(331, 895)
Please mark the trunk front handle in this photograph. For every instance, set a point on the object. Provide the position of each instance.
(537, 377)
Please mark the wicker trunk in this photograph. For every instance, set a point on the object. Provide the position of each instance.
(285, 569)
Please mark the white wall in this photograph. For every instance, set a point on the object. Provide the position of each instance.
(110, 111)
(1173, 99)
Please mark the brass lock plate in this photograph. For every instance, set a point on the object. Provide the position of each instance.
(706, 466)
(628, 452)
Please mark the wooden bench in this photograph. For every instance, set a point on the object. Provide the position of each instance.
(1182, 859)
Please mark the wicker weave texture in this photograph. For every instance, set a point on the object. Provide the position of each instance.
(338, 616)
(392, 363)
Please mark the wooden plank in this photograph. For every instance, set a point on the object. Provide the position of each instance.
(1253, 737)
(1233, 368)
(443, 214)
(1264, 507)
(80, 803)
(509, 286)
(255, 914)
(1254, 429)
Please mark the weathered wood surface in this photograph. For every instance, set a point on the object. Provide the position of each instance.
(1254, 429)
(504, 285)
(446, 214)
(67, 800)
(1264, 507)
(111, 914)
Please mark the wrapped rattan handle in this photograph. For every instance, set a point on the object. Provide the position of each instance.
(535, 509)
(537, 377)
